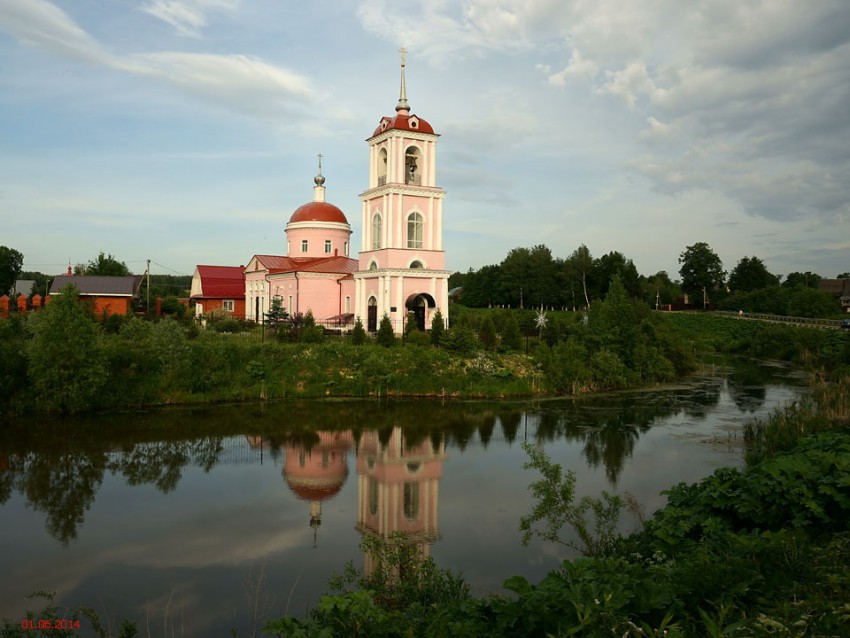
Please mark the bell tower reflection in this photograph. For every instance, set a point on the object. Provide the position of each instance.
(398, 489)
(316, 470)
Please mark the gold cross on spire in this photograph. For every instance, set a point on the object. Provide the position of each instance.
(320, 163)
(403, 51)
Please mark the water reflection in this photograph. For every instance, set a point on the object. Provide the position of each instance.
(316, 470)
(399, 455)
(398, 489)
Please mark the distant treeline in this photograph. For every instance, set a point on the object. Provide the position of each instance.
(533, 277)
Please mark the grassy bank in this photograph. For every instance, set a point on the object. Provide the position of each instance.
(63, 360)
(813, 348)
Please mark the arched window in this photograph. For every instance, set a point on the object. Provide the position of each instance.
(373, 265)
(416, 264)
(414, 230)
(377, 231)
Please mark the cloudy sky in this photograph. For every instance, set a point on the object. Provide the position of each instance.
(186, 131)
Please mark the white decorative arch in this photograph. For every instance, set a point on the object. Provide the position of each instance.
(418, 263)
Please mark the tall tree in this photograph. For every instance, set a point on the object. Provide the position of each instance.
(806, 279)
(701, 271)
(581, 262)
(103, 265)
(615, 263)
(751, 274)
(10, 267)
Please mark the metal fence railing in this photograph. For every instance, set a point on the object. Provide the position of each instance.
(809, 322)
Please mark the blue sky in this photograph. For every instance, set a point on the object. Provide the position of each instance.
(186, 131)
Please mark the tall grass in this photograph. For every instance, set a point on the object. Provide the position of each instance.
(827, 408)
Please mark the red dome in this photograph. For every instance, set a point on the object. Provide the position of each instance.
(403, 123)
(318, 212)
(314, 490)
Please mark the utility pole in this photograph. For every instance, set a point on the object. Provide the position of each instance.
(148, 275)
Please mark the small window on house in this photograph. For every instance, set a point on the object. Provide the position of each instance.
(227, 304)
(288, 248)
(347, 305)
(345, 248)
(328, 246)
(416, 264)
(373, 265)
(303, 245)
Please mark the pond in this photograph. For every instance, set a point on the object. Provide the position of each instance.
(198, 521)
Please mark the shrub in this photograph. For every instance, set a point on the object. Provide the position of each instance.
(358, 334)
(438, 327)
(386, 336)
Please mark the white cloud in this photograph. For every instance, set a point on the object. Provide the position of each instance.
(242, 84)
(578, 66)
(188, 17)
(41, 24)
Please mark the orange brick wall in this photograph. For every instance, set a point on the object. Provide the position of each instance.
(111, 306)
(215, 304)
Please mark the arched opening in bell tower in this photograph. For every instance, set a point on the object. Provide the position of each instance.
(382, 167)
(412, 166)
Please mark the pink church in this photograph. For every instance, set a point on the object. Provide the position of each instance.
(401, 265)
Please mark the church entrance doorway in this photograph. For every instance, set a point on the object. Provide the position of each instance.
(418, 304)
(372, 315)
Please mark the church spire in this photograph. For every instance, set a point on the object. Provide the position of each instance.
(402, 107)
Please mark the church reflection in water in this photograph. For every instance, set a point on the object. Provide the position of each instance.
(397, 482)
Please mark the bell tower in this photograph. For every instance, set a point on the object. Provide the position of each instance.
(402, 263)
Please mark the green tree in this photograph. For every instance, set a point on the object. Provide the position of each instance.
(358, 334)
(581, 264)
(487, 333)
(751, 274)
(276, 314)
(615, 263)
(386, 336)
(66, 362)
(438, 327)
(511, 337)
(701, 271)
(806, 279)
(10, 267)
(659, 289)
(410, 325)
(103, 265)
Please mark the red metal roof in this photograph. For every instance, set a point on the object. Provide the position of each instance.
(276, 264)
(403, 123)
(318, 212)
(222, 282)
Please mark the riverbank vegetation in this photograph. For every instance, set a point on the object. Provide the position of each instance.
(62, 359)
